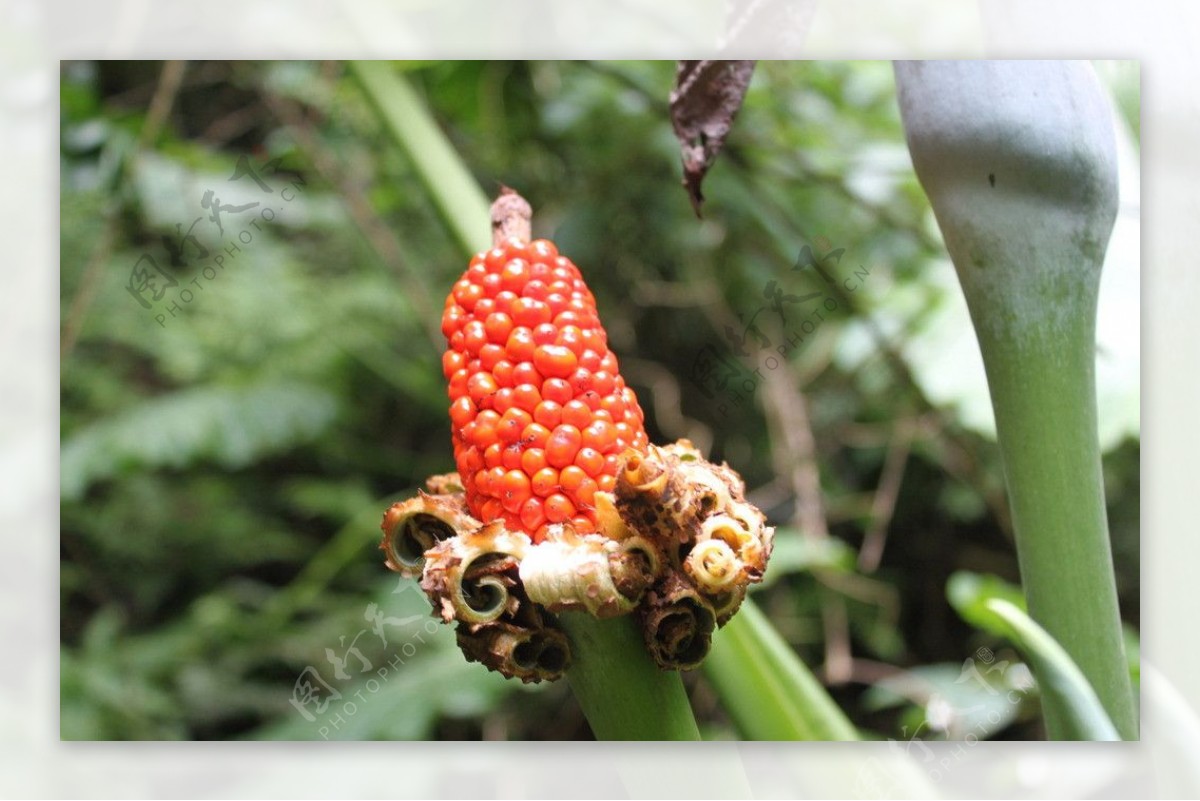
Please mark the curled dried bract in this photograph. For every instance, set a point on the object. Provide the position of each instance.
(528, 654)
(713, 566)
(444, 484)
(471, 577)
(678, 500)
(413, 527)
(676, 543)
(603, 577)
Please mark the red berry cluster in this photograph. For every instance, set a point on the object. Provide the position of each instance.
(538, 411)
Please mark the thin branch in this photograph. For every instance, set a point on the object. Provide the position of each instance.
(836, 669)
(964, 466)
(229, 126)
(863, 588)
(161, 103)
(884, 504)
(786, 409)
(793, 445)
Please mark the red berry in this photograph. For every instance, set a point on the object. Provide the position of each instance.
(538, 411)
(452, 318)
(520, 345)
(542, 250)
(498, 325)
(556, 361)
(462, 411)
(527, 397)
(558, 507)
(530, 312)
(503, 373)
(480, 386)
(491, 355)
(600, 434)
(533, 460)
(577, 413)
(557, 390)
(545, 481)
(562, 446)
(501, 400)
(493, 456)
(514, 490)
(585, 493)
(548, 413)
(514, 275)
(452, 362)
(535, 436)
(591, 461)
(526, 373)
(532, 514)
(511, 459)
(474, 336)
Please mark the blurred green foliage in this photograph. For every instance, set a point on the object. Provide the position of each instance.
(224, 468)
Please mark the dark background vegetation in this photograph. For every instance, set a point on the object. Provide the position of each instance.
(223, 474)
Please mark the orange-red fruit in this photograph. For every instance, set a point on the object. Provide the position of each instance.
(538, 409)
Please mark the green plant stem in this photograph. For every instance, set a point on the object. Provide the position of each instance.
(767, 689)
(454, 190)
(622, 692)
(1043, 393)
(1019, 162)
(994, 606)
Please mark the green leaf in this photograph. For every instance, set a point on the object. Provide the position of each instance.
(416, 693)
(232, 427)
(982, 602)
(769, 691)
(969, 593)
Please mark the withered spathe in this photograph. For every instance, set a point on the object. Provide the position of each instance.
(677, 546)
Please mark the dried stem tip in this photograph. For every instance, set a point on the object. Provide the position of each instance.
(531, 655)
(677, 623)
(511, 218)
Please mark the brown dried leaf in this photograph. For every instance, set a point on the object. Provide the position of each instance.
(706, 98)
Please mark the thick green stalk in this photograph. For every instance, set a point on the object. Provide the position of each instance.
(1019, 163)
(454, 190)
(624, 695)
(622, 692)
(1045, 407)
(770, 693)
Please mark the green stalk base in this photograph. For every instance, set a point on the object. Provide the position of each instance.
(624, 695)
(1043, 392)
